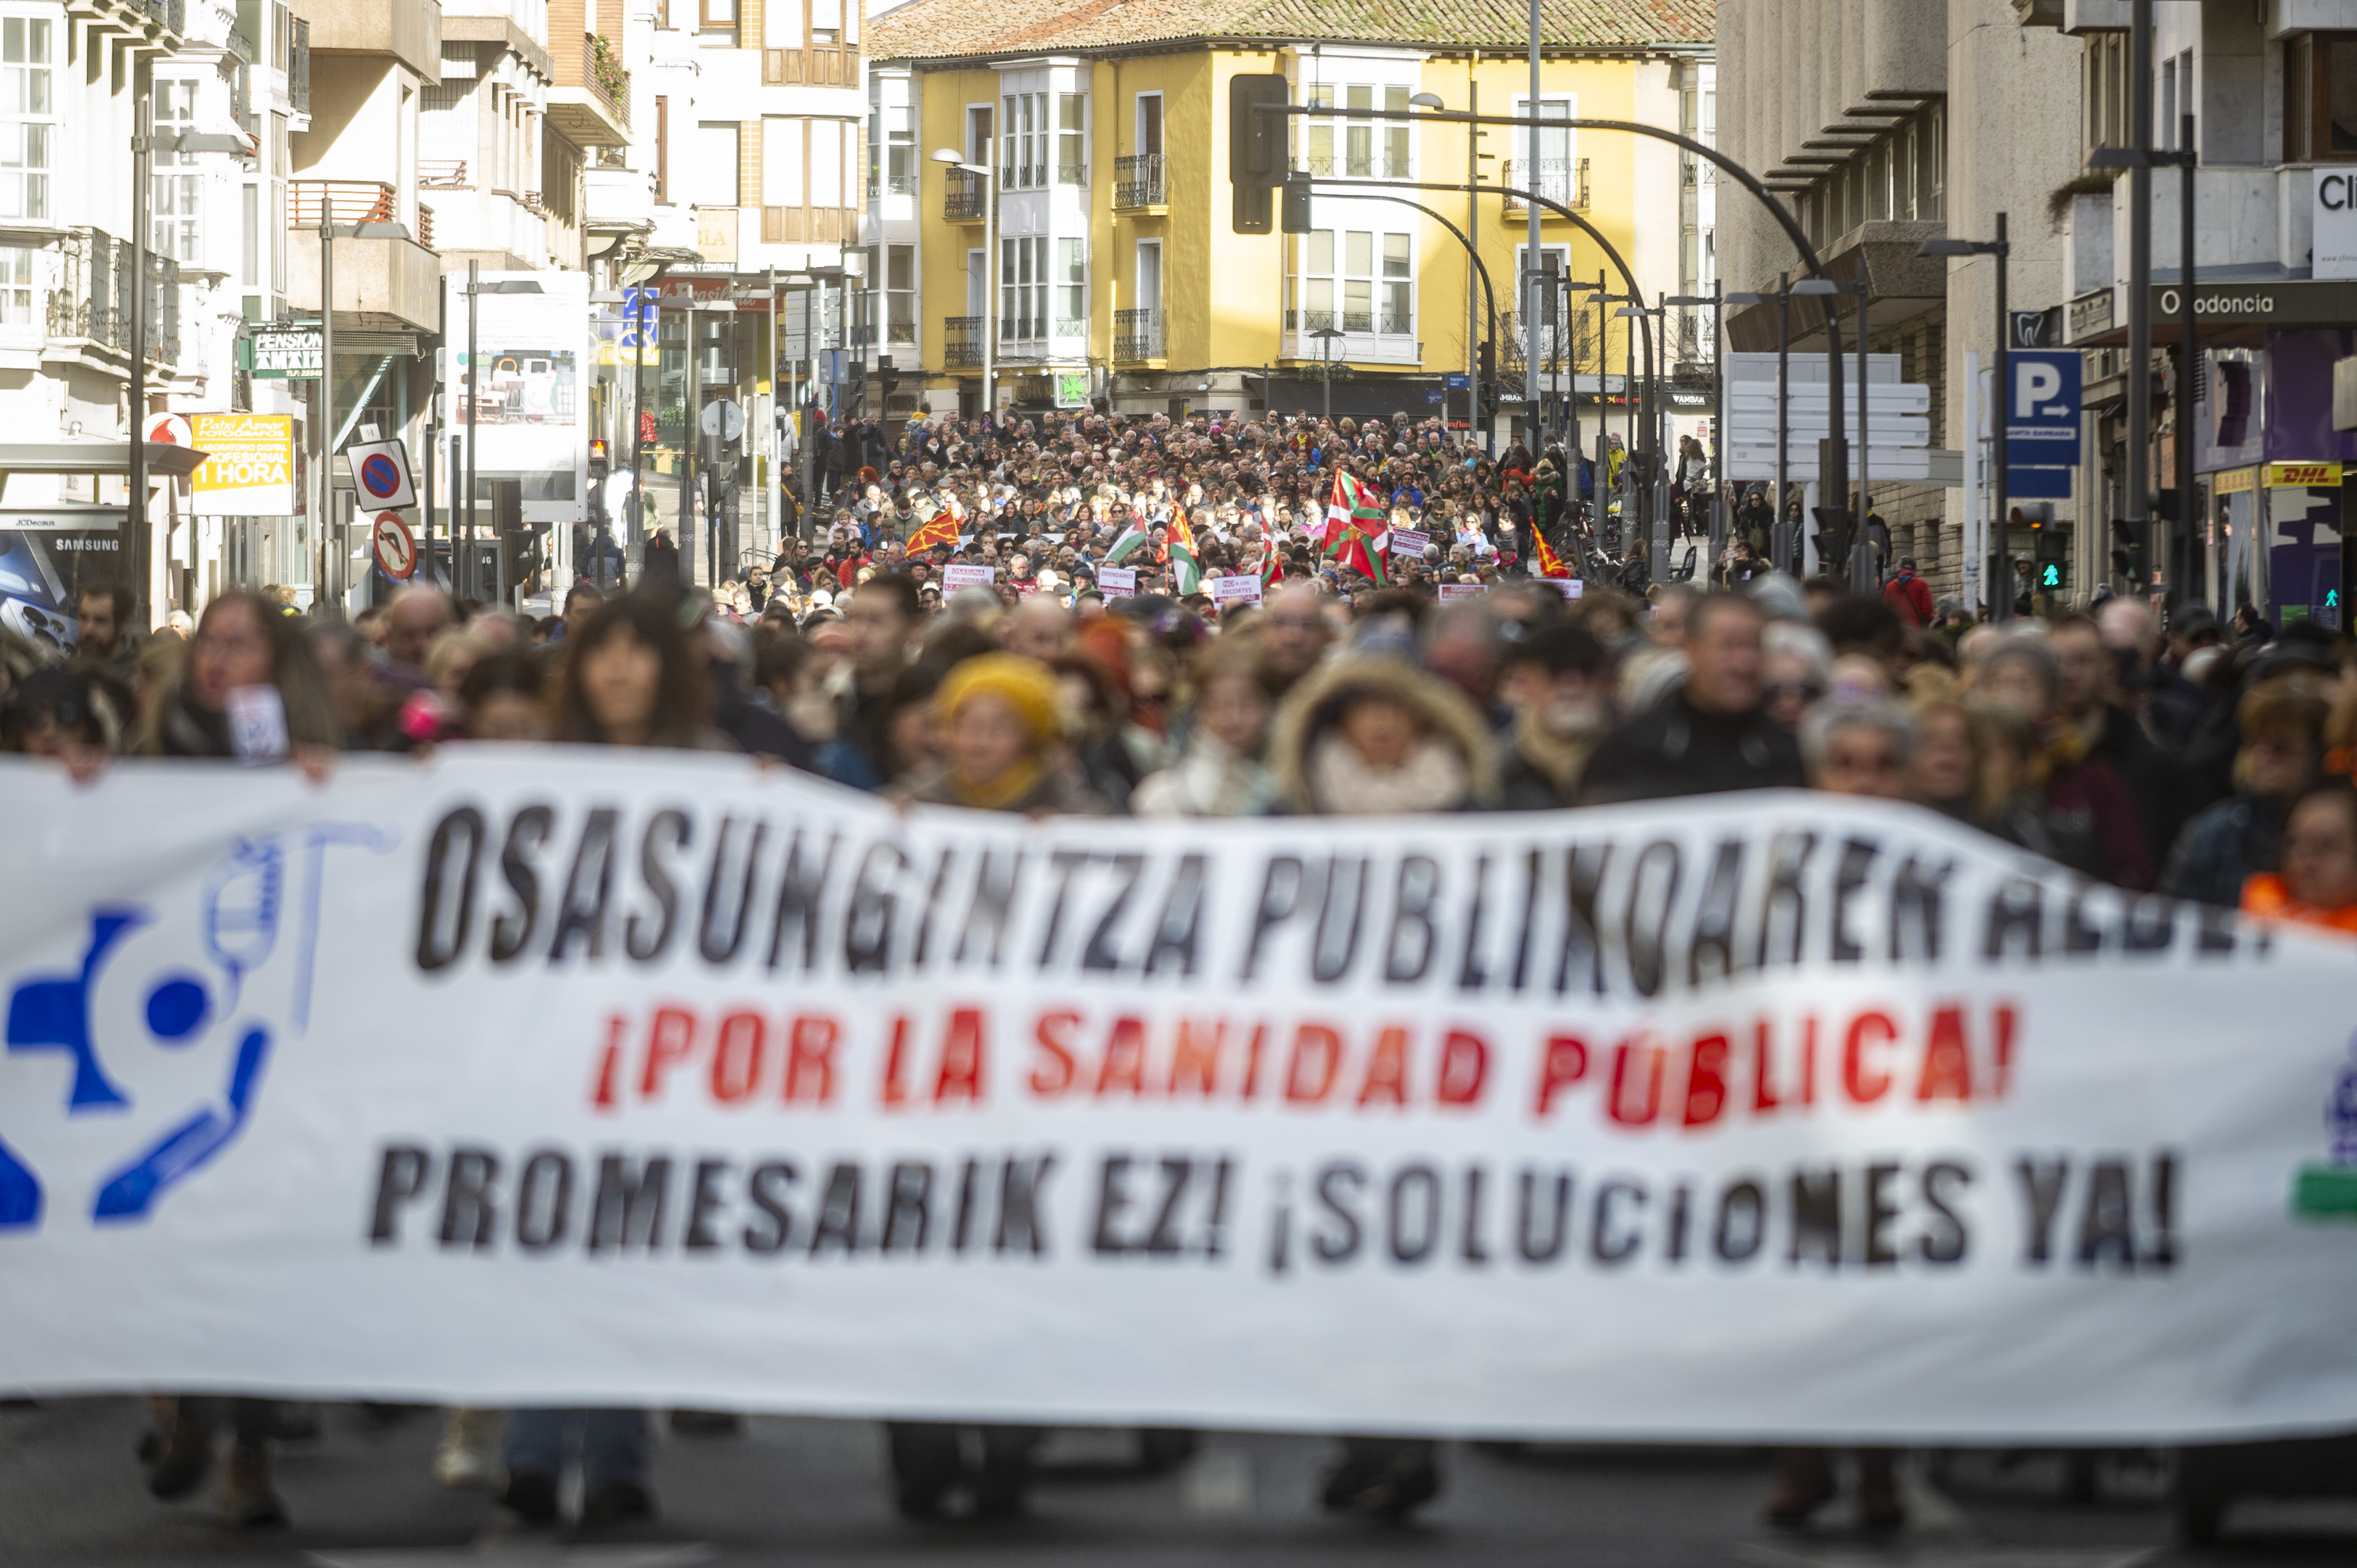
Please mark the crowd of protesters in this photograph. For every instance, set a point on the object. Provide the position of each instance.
(2181, 758)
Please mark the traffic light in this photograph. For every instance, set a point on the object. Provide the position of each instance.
(1256, 141)
(597, 457)
(1831, 521)
(1294, 217)
(2050, 568)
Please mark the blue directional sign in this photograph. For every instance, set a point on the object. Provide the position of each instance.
(639, 308)
(2043, 408)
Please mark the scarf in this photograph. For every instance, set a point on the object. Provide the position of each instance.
(1432, 777)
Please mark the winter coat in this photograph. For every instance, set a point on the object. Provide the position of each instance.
(1318, 773)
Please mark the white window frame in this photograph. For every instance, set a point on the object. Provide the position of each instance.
(29, 142)
(1561, 185)
(1068, 295)
(175, 201)
(20, 277)
(1022, 288)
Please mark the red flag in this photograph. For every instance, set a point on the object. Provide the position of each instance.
(1549, 564)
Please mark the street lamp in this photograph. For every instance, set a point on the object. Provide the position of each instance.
(1780, 547)
(475, 286)
(144, 143)
(1852, 537)
(329, 232)
(1326, 335)
(2184, 160)
(1999, 586)
(952, 157)
(1716, 300)
(1657, 531)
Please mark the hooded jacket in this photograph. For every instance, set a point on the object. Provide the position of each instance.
(1318, 775)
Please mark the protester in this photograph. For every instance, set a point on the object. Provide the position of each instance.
(2317, 883)
(1711, 733)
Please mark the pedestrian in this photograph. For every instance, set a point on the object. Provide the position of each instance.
(661, 558)
(1711, 733)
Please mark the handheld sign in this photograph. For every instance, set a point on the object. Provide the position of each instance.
(1117, 582)
(1243, 588)
(956, 577)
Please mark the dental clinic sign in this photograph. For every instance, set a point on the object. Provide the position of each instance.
(2335, 239)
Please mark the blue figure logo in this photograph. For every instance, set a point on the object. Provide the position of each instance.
(239, 925)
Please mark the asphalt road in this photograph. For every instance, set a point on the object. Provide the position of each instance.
(812, 1493)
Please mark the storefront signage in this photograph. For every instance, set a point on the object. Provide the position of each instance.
(2234, 482)
(284, 351)
(2335, 235)
(248, 467)
(2303, 476)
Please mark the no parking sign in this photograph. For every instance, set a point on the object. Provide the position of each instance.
(380, 474)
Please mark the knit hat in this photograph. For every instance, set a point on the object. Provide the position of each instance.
(1024, 684)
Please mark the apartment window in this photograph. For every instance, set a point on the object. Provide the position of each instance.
(1071, 288)
(825, 24)
(1023, 142)
(662, 149)
(1397, 296)
(1359, 141)
(782, 163)
(1071, 138)
(26, 110)
(714, 175)
(177, 187)
(1023, 286)
(1546, 168)
(826, 149)
(249, 251)
(1397, 136)
(2320, 97)
(900, 292)
(1318, 149)
(1934, 204)
(15, 285)
(900, 148)
(716, 16)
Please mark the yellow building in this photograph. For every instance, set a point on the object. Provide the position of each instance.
(1119, 275)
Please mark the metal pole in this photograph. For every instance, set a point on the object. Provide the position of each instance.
(1781, 536)
(777, 496)
(635, 503)
(327, 523)
(134, 544)
(989, 298)
(473, 578)
(2139, 358)
(1325, 371)
(1863, 554)
(1657, 557)
(1473, 226)
(1718, 519)
(1530, 278)
(2000, 571)
(2180, 529)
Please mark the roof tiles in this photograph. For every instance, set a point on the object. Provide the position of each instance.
(947, 29)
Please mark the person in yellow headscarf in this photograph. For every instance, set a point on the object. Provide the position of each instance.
(1002, 733)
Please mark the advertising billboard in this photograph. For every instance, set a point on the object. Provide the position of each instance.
(248, 467)
(530, 398)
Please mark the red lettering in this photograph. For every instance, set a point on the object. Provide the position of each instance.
(1564, 1064)
(1763, 1069)
(671, 1040)
(1124, 1059)
(609, 1064)
(962, 1058)
(1866, 1080)
(1808, 1060)
(1464, 1068)
(1386, 1068)
(1194, 1054)
(2004, 1019)
(1947, 1061)
(810, 1055)
(1054, 1073)
(1618, 1106)
(739, 1053)
(1251, 1061)
(1317, 1060)
(1705, 1080)
(896, 1063)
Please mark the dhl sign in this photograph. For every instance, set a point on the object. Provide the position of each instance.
(2303, 476)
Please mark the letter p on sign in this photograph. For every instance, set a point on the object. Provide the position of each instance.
(2035, 383)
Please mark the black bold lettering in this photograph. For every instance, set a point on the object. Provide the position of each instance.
(1415, 1220)
(1178, 930)
(722, 929)
(1537, 1247)
(909, 1207)
(1338, 1187)
(1851, 873)
(666, 830)
(2042, 1197)
(838, 1212)
(402, 1174)
(1407, 953)
(627, 1209)
(1944, 1240)
(1021, 1226)
(581, 912)
(801, 890)
(1816, 1215)
(543, 1205)
(527, 831)
(705, 1202)
(1712, 935)
(768, 1187)
(442, 935)
(1280, 900)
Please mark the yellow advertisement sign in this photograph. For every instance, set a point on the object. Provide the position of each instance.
(2234, 482)
(249, 468)
(2303, 476)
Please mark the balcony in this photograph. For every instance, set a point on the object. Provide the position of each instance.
(1138, 185)
(590, 100)
(1560, 180)
(150, 21)
(963, 196)
(618, 198)
(962, 342)
(93, 306)
(408, 30)
(384, 278)
(442, 174)
(1137, 337)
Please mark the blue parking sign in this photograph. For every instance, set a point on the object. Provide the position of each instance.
(2043, 408)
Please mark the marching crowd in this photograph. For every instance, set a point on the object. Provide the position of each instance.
(2185, 758)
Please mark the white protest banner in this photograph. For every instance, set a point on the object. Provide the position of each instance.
(955, 577)
(577, 1077)
(1243, 587)
(1408, 541)
(1569, 587)
(1462, 591)
(1117, 582)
